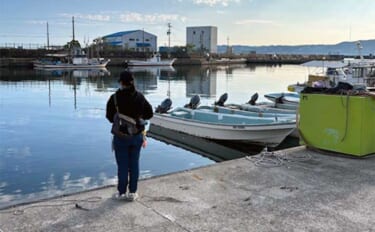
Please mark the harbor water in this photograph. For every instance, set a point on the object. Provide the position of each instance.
(54, 138)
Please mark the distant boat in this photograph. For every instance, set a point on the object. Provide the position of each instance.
(155, 60)
(74, 58)
(64, 61)
(226, 127)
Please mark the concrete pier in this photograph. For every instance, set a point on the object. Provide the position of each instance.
(323, 193)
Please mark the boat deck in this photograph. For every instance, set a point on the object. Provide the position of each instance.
(323, 193)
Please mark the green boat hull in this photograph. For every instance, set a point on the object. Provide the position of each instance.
(338, 123)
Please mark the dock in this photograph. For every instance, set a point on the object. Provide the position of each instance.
(292, 190)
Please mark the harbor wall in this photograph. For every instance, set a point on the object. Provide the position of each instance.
(25, 57)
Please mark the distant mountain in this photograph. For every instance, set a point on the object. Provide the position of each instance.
(343, 48)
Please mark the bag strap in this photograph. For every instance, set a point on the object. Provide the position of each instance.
(123, 116)
(115, 101)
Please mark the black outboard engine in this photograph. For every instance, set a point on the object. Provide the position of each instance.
(194, 102)
(253, 99)
(280, 99)
(223, 98)
(164, 106)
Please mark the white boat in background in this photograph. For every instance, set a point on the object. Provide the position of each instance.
(73, 58)
(356, 72)
(155, 60)
(64, 61)
(226, 127)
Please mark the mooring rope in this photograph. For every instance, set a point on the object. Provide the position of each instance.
(269, 159)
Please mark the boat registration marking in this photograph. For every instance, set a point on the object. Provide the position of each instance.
(239, 127)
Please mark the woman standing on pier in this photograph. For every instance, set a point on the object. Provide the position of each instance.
(126, 109)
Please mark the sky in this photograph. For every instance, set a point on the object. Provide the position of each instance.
(244, 22)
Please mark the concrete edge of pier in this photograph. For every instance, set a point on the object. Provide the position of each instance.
(293, 190)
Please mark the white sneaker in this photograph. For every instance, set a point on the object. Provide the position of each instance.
(132, 196)
(119, 197)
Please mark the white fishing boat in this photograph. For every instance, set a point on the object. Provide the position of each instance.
(73, 58)
(263, 109)
(219, 126)
(64, 61)
(356, 72)
(155, 60)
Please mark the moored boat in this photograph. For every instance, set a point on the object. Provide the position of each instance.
(219, 126)
(155, 60)
(239, 111)
(63, 61)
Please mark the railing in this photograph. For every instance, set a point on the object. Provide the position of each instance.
(29, 46)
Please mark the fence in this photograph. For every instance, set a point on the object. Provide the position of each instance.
(29, 46)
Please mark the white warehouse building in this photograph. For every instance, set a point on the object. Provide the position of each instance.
(136, 40)
(203, 38)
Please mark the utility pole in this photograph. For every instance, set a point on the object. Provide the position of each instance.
(47, 37)
(169, 38)
(73, 27)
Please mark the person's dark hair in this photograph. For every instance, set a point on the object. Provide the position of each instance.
(126, 78)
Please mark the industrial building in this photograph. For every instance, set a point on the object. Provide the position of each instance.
(136, 40)
(202, 38)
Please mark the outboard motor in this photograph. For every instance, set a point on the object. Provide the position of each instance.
(164, 106)
(194, 102)
(253, 99)
(223, 98)
(280, 99)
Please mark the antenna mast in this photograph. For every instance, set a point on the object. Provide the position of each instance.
(47, 37)
(73, 27)
(169, 36)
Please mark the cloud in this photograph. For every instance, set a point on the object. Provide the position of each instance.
(132, 17)
(38, 22)
(91, 17)
(214, 2)
(253, 21)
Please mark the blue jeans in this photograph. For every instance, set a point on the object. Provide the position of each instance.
(127, 152)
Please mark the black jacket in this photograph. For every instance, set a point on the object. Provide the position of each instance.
(130, 103)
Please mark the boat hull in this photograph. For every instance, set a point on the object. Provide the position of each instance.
(268, 134)
(70, 66)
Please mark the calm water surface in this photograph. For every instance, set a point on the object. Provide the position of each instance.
(54, 137)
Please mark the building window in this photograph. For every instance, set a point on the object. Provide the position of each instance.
(137, 39)
(193, 32)
(131, 39)
(147, 40)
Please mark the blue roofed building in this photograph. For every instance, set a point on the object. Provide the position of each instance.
(136, 40)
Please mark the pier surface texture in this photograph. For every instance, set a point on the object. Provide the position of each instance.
(324, 193)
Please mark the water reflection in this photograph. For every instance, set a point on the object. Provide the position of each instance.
(208, 148)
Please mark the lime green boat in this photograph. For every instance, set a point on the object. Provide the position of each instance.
(338, 123)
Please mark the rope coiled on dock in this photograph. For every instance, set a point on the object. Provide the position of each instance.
(268, 159)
